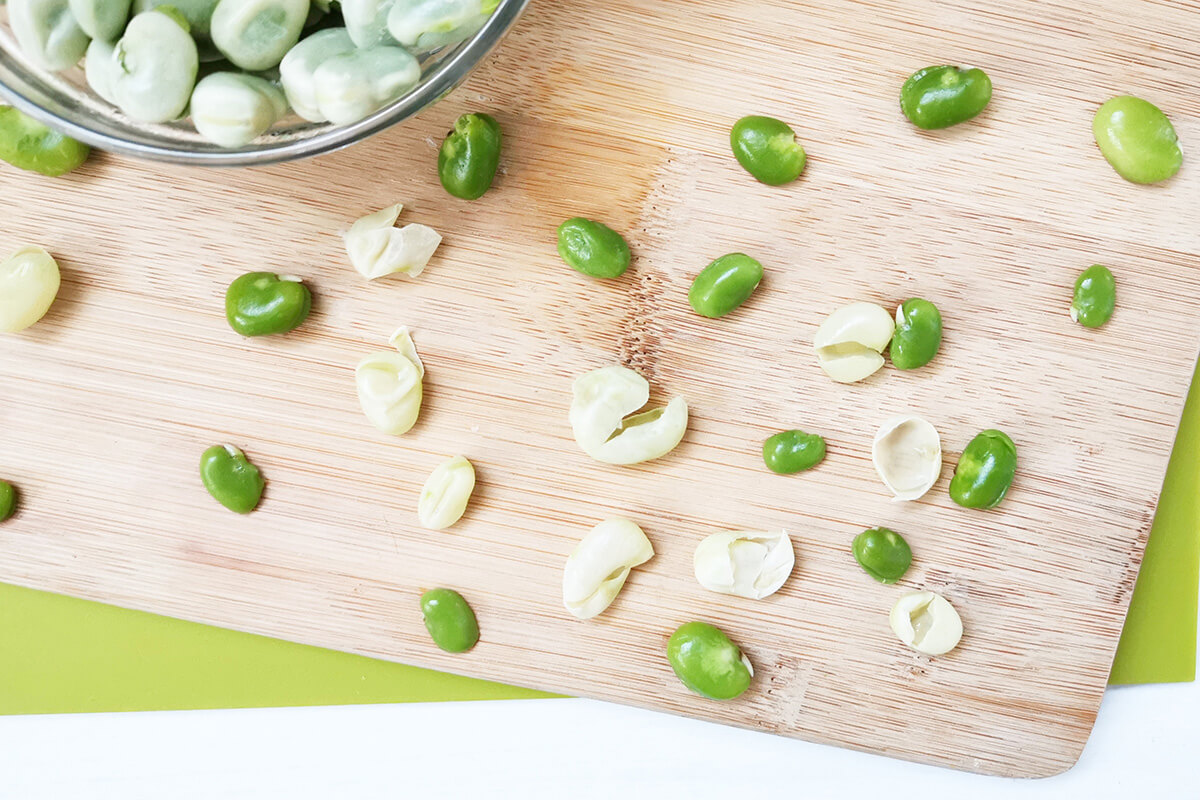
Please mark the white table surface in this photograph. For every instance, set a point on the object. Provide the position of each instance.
(1146, 744)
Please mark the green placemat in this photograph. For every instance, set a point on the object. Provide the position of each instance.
(59, 654)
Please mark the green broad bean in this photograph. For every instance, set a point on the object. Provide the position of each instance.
(232, 109)
(101, 19)
(426, 24)
(470, 156)
(101, 69)
(47, 32)
(941, 96)
(30, 145)
(263, 303)
(1137, 139)
(256, 34)
(298, 66)
(1095, 296)
(355, 85)
(707, 662)
(593, 248)
(918, 334)
(788, 452)
(8, 500)
(724, 285)
(198, 13)
(767, 149)
(985, 470)
(230, 478)
(882, 553)
(449, 619)
(156, 66)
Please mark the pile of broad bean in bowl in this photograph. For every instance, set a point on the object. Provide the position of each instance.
(238, 67)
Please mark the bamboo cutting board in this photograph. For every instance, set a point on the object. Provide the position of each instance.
(621, 112)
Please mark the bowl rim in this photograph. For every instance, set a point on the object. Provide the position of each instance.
(436, 83)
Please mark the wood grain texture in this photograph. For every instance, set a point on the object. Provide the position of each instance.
(621, 112)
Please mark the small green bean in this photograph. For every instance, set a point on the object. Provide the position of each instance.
(230, 478)
(767, 149)
(941, 96)
(724, 285)
(1095, 296)
(28, 144)
(985, 470)
(8, 500)
(262, 303)
(793, 451)
(707, 662)
(883, 553)
(593, 248)
(449, 619)
(918, 334)
(1138, 139)
(470, 156)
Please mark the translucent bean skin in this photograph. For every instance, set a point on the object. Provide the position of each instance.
(1138, 139)
(941, 96)
(450, 620)
(789, 452)
(767, 149)
(231, 479)
(263, 303)
(882, 553)
(8, 500)
(918, 334)
(985, 470)
(1095, 296)
(470, 156)
(30, 145)
(707, 662)
(593, 248)
(724, 285)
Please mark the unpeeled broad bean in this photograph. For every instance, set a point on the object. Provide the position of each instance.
(470, 156)
(298, 67)
(198, 13)
(47, 32)
(882, 553)
(230, 478)
(8, 500)
(30, 145)
(156, 62)
(354, 85)
(425, 24)
(232, 109)
(263, 303)
(446, 492)
(592, 248)
(1137, 139)
(985, 470)
(29, 281)
(256, 34)
(918, 334)
(366, 21)
(767, 149)
(450, 620)
(941, 96)
(707, 662)
(788, 452)
(1095, 296)
(724, 285)
(101, 19)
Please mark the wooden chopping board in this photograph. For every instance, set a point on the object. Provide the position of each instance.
(621, 112)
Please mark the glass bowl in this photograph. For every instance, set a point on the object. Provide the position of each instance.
(64, 101)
